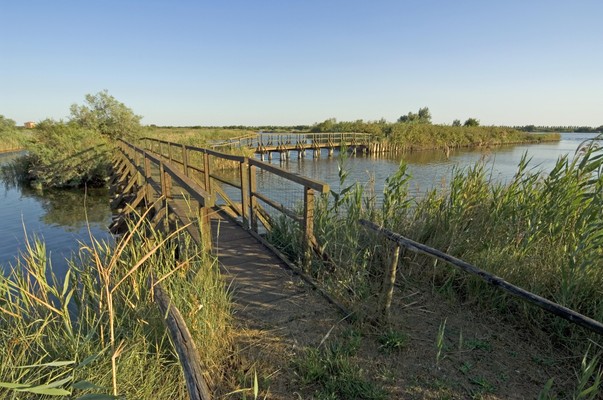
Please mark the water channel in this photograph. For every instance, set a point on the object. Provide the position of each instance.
(63, 219)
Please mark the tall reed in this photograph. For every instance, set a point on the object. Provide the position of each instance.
(541, 231)
(97, 330)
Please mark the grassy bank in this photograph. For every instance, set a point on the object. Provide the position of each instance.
(12, 140)
(97, 333)
(539, 231)
(424, 137)
(196, 136)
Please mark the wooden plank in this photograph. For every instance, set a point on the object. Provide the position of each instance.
(185, 346)
(491, 279)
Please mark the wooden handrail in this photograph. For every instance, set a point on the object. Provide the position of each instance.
(545, 304)
(319, 186)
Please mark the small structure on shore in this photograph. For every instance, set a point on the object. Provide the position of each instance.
(29, 125)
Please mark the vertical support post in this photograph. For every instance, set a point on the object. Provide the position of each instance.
(206, 174)
(166, 183)
(170, 152)
(205, 224)
(308, 227)
(147, 178)
(253, 202)
(245, 204)
(185, 160)
(389, 280)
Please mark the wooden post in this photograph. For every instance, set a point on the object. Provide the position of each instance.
(205, 225)
(387, 288)
(308, 227)
(245, 204)
(185, 160)
(147, 178)
(170, 152)
(253, 202)
(206, 173)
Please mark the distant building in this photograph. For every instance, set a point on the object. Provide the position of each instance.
(30, 125)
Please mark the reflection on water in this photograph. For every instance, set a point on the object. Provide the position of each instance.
(60, 218)
(431, 169)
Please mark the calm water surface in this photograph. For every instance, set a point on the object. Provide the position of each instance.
(60, 218)
(434, 168)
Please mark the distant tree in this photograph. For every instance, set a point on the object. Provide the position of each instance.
(471, 122)
(422, 117)
(104, 114)
(6, 124)
(456, 122)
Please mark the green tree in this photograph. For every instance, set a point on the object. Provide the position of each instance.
(456, 122)
(422, 117)
(7, 124)
(106, 115)
(471, 122)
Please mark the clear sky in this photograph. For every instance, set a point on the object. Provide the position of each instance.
(286, 62)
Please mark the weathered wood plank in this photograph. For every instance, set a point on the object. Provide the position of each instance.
(491, 279)
(185, 346)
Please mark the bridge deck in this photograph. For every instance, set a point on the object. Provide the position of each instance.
(266, 293)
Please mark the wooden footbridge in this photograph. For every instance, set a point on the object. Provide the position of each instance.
(215, 197)
(266, 144)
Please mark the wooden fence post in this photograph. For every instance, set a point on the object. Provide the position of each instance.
(308, 227)
(206, 173)
(387, 288)
(245, 204)
(147, 178)
(185, 160)
(205, 226)
(253, 201)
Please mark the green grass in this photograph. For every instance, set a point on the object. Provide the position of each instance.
(540, 231)
(98, 331)
(335, 376)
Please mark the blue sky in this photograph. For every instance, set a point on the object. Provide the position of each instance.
(298, 62)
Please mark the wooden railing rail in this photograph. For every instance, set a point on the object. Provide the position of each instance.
(248, 208)
(545, 304)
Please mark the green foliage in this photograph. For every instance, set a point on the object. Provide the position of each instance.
(67, 155)
(10, 139)
(471, 122)
(422, 117)
(7, 125)
(106, 115)
(335, 375)
(392, 340)
(456, 122)
(97, 333)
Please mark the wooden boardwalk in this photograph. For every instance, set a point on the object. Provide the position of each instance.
(276, 311)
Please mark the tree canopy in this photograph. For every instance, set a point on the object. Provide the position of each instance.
(6, 124)
(471, 122)
(106, 115)
(422, 117)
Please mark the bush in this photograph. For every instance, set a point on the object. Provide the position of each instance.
(67, 155)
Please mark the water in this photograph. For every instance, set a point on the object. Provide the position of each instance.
(59, 218)
(62, 221)
(431, 169)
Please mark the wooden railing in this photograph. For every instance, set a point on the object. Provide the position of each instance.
(232, 181)
(401, 241)
(263, 141)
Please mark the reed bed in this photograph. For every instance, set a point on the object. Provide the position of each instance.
(96, 332)
(540, 231)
